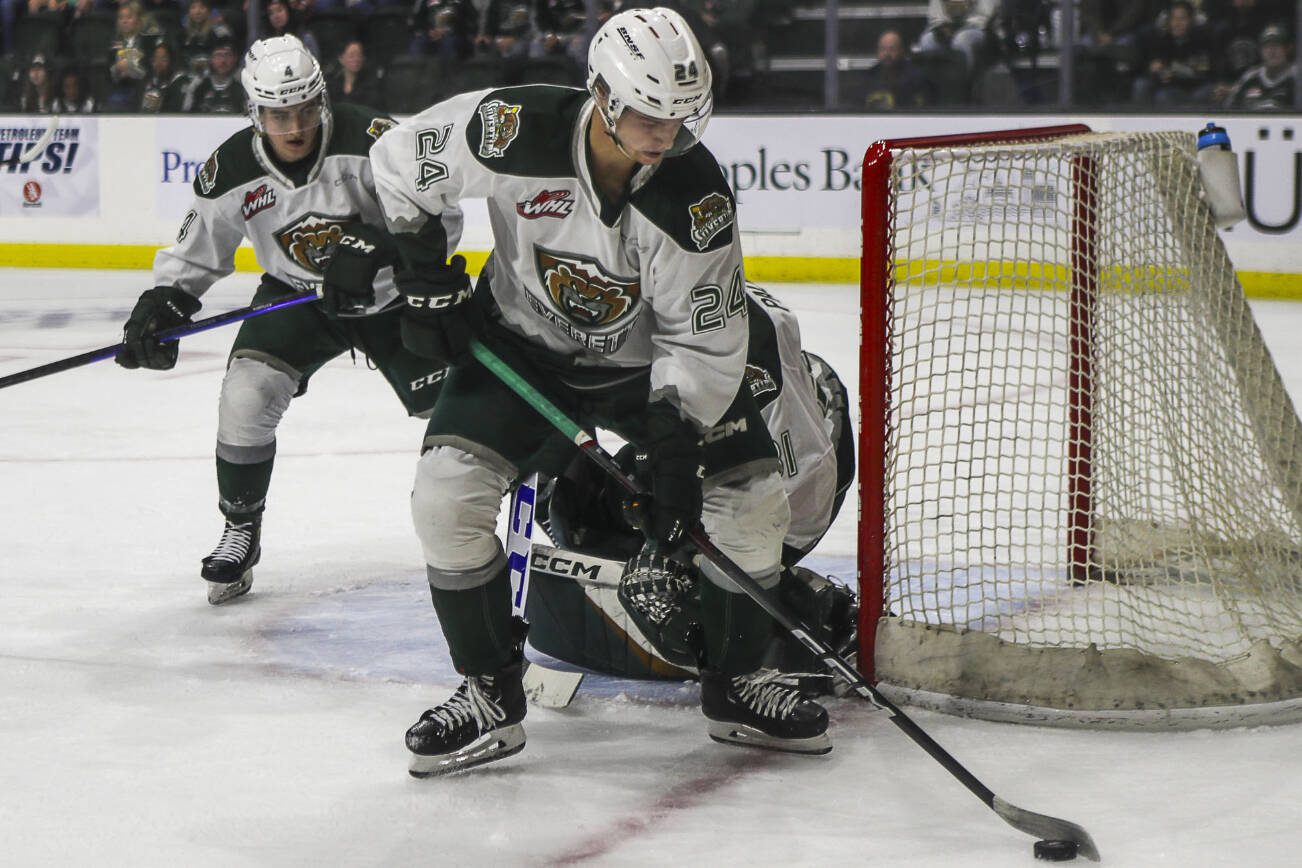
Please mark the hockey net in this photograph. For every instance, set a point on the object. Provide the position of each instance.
(1081, 476)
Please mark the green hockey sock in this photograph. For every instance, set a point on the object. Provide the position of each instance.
(737, 631)
(243, 487)
(477, 625)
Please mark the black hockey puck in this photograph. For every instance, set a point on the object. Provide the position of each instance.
(1055, 851)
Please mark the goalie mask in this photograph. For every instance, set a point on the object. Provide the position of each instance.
(648, 61)
(583, 510)
(285, 88)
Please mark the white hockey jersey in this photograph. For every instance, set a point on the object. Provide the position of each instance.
(800, 425)
(292, 223)
(656, 280)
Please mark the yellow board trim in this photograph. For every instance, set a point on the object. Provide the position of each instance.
(760, 269)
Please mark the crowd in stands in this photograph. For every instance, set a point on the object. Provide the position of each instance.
(1146, 55)
(401, 55)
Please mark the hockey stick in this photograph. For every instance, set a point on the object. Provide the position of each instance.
(543, 685)
(39, 146)
(172, 334)
(1042, 826)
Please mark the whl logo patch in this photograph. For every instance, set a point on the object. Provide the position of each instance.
(31, 194)
(310, 241)
(548, 203)
(256, 201)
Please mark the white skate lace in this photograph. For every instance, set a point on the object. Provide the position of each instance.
(471, 704)
(234, 544)
(769, 692)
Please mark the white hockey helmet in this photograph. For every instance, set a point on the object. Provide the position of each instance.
(279, 73)
(649, 60)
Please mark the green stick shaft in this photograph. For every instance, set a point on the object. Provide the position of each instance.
(532, 396)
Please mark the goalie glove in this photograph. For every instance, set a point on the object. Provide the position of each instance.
(659, 594)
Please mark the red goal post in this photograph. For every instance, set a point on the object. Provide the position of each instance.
(1047, 320)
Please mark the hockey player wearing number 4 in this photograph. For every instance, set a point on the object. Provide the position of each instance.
(298, 184)
(616, 287)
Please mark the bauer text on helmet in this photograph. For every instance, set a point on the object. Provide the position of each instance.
(648, 61)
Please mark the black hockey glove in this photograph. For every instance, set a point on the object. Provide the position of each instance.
(438, 321)
(671, 457)
(348, 285)
(157, 309)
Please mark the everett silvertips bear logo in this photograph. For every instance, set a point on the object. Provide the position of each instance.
(310, 240)
(586, 294)
(759, 380)
(501, 122)
(710, 216)
(208, 174)
(380, 126)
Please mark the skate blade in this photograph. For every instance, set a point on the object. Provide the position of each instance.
(224, 592)
(747, 736)
(489, 747)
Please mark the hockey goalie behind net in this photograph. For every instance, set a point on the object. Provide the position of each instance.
(1081, 477)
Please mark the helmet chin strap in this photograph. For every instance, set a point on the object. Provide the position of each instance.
(609, 124)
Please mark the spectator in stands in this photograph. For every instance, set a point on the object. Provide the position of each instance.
(132, 45)
(959, 25)
(557, 21)
(37, 94)
(1181, 67)
(894, 83)
(200, 31)
(576, 47)
(1107, 23)
(514, 36)
(353, 81)
(167, 86)
(442, 29)
(74, 97)
(285, 20)
(1271, 85)
(219, 90)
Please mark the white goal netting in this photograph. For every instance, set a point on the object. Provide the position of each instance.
(1092, 502)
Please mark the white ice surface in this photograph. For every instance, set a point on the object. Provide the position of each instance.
(140, 726)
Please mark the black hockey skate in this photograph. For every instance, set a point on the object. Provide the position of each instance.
(480, 723)
(229, 569)
(764, 708)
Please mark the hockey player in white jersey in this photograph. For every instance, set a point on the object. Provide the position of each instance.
(298, 185)
(588, 607)
(616, 286)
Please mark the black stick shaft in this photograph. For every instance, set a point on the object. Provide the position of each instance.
(172, 334)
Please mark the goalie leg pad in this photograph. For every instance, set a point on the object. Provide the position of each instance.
(455, 501)
(254, 397)
(747, 519)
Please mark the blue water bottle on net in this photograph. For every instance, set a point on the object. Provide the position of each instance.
(1219, 169)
